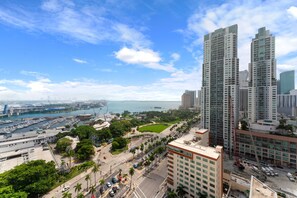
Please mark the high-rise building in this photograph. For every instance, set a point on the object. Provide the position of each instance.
(243, 79)
(195, 165)
(287, 103)
(198, 100)
(188, 99)
(5, 110)
(192, 98)
(287, 81)
(220, 86)
(262, 78)
(243, 93)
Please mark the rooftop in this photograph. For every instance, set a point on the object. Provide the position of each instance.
(198, 130)
(190, 143)
(259, 189)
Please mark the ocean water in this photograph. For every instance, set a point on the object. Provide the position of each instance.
(112, 107)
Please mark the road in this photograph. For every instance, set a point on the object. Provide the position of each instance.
(109, 165)
(150, 185)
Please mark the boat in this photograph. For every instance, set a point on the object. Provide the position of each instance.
(157, 107)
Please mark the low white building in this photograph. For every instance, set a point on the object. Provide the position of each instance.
(20, 141)
(195, 165)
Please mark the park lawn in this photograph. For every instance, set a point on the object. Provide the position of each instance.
(155, 128)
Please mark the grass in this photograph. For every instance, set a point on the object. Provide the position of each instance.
(76, 170)
(155, 128)
(118, 151)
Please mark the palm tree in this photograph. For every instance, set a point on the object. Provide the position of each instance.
(171, 194)
(87, 179)
(80, 195)
(67, 195)
(101, 181)
(95, 170)
(133, 152)
(70, 153)
(77, 187)
(92, 189)
(131, 173)
(181, 190)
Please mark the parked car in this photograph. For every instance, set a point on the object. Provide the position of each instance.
(108, 184)
(101, 190)
(291, 179)
(114, 180)
(66, 188)
(111, 193)
(114, 189)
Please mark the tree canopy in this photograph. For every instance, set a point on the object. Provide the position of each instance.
(84, 150)
(62, 144)
(84, 132)
(33, 178)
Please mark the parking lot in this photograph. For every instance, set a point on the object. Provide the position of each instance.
(279, 183)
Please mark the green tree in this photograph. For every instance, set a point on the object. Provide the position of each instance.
(66, 195)
(171, 194)
(115, 145)
(131, 173)
(88, 178)
(84, 132)
(95, 170)
(181, 192)
(141, 147)
(62, 144)
(84, 150)
(133, 151)
(35, 177)
(8, 192)
(70, 153)
(80, 195)
(101, 181)
(92, 189)
(77, 187)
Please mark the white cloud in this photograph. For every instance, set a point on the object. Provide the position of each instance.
(146, 57)
(106, 70)
(169, 88)
(37, 75)
(133, 56)
(131, 36)
(250, 16)
(293, 11)
(80, 61)
(78, 22)
(175, 57)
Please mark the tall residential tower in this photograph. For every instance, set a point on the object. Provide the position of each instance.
(262, 78)
(220, 85)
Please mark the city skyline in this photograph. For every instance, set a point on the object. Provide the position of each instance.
(65, 49)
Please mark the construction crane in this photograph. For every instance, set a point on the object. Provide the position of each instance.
(261, 175)
(235, 154)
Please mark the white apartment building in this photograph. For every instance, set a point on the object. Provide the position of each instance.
(220, 85)
(262, 103)
(195, 165)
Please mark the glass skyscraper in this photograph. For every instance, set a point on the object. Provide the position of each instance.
(287, 81)
(262, 78)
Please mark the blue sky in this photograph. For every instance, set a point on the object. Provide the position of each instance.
(128, 49)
